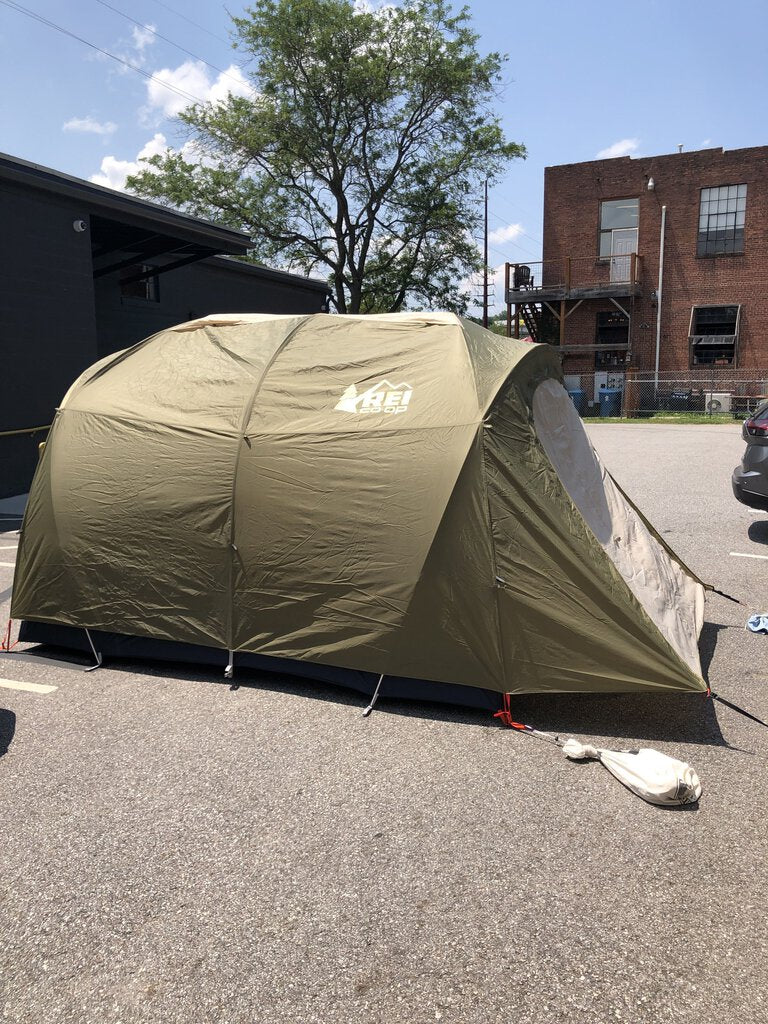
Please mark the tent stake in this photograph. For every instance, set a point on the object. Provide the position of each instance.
(374, 698)
(229, 671)
(96, 654)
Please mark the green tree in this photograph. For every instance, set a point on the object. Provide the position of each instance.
(360, 154)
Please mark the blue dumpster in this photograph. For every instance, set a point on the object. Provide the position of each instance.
(579, 399)
(610, 401)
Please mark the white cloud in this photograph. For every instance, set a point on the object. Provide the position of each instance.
(193, 81)
(142, 37)
(624, 147)
(706, 142)
(132, 51)
(89, 125)
(113, 172)
(382, 7)
(505, 234)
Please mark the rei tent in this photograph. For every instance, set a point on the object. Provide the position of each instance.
(347, 497)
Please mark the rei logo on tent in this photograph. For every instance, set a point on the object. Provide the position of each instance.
(382, 397)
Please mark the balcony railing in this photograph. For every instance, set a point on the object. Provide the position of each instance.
(574, 277)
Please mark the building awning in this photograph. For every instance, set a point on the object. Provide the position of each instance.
(718, 340)
(127, 210)
(128, 232)
(580, 350)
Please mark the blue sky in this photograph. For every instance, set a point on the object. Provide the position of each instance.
(584, 79)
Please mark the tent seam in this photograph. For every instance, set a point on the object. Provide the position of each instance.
(247, 410)
(235, 428)
(471, 364)
(495, 566)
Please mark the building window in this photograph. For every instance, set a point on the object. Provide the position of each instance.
(618, 227)
(721, 220)
(146, 287)
(713, 335)
(612, 335)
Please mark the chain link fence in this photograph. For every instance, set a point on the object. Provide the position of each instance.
(714, 391)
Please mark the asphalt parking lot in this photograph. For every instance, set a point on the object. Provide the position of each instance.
(175, 851)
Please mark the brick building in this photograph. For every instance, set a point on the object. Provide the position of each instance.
(597, 292)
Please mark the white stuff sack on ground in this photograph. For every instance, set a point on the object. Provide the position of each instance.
(654, 776)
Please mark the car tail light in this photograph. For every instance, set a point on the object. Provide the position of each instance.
(757, 429)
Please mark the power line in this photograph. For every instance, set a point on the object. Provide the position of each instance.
(165, 39)
(533, 255)
(98, 49)
(201, 27)
(503, 220)
(505, 256)
(511, 205)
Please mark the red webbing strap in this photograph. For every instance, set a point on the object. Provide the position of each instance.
(5, 644)
(506, 717)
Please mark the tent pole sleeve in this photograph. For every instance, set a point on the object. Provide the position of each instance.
(233, 500)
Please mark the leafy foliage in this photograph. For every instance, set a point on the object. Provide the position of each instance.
(359, 154)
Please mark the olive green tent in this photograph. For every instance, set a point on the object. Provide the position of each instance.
(406, 495)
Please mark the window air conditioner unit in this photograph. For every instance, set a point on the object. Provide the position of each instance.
(718, 401)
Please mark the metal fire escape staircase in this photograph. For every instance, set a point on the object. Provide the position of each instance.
(561, 286)
(531, 316)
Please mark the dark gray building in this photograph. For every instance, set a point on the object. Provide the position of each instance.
(86, 271)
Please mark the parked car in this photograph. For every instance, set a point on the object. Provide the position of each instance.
(750, 477)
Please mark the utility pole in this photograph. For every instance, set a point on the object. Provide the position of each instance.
(485, 260)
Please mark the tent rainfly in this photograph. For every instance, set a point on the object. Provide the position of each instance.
(346, 497)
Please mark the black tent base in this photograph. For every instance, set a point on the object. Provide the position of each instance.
(119, 645)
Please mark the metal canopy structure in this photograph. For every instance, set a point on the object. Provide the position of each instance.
(129, 211)
(126, 231)
(560, 287)
(116, 246)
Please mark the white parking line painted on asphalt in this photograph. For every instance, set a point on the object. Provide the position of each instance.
(10, 565)
(23, 657)
(13, 684)
(734, 554)
(14, 547)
